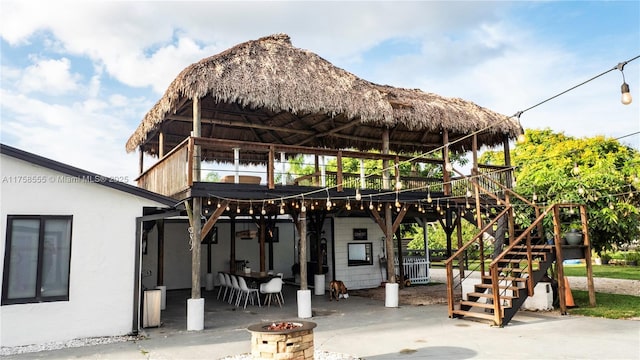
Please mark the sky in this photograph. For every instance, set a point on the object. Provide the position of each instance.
(77, 77)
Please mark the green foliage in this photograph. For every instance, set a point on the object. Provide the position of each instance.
(437, 236)
(610, 306)
(605, 271)
(596, 171)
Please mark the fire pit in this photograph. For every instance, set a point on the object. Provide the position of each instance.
(282, 340)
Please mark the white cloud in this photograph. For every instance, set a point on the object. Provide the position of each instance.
(49, 76)
(468, 50)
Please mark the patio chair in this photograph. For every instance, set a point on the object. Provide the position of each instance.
(229, 285)
(247, 292)
(236, 289)
(223, 285)
(270, 288)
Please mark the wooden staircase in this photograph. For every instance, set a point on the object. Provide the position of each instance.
(496, 289)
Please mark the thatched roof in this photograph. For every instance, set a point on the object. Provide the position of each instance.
(268, 91)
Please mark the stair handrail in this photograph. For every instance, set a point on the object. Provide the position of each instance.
(493, 266)
(449, 262)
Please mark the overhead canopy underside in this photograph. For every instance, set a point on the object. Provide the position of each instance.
(268, 91)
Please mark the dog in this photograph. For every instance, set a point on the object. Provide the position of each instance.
(406, 282)
(338, 290)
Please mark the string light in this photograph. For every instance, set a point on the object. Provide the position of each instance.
(626, 94)
(448, 165)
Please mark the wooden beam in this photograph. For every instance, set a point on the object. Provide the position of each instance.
(214, 218)
(244, 125)
(399, 218)
(339, 172)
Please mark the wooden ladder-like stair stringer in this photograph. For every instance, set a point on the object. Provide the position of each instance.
(512, 285)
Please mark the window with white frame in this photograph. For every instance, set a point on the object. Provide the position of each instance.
(37, 259)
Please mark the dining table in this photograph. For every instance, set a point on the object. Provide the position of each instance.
(255, 278)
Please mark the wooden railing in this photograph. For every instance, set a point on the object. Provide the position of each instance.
(170, 175)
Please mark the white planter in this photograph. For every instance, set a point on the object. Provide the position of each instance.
(391, 295)
(318, 283)
(304, 304)
(163, 296)
(195, 314)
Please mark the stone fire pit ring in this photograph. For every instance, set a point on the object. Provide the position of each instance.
(282, 340)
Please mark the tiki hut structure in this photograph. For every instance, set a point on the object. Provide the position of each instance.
(265, 101)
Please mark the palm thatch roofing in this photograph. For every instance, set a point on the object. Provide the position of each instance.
(269, 91)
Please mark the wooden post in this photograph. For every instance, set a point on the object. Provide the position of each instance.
(302, 259)
(400, 258)
(197, 207)
(232, 250)
(446, 177)
(160, 266)
(587, 254)
(161, 144)
(391, 271)
(262, 237)
(140, 160)
(270, 168)
(339, 179)
(385, 162)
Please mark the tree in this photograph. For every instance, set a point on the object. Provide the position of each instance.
(596, 171)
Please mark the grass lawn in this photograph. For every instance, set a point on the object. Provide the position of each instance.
(610, 306)
(605, 271)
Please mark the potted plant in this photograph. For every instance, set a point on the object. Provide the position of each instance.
(605, 257)
(632, 258)
(573, 234)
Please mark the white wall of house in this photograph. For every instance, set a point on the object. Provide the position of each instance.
(177, 255)
(102, 272)
(362, 276)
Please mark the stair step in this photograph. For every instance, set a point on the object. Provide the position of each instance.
(523, 254)
(480, 305)
(536, 247)
(490, 296)
(481, 315)
(510, 269)
(502, 287)
(506, 278)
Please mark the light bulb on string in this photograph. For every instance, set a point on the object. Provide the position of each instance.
(398, 185)
(238, 208)
(303, 208)
(624, 88)
(209, 201)
(438, 205)
(468, 194)
(348, 206)
(358, 195)
(370, 203)
(429, 200)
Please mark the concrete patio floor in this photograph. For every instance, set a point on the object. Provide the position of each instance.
(365, 328)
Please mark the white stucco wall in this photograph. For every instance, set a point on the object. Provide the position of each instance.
(364, 276)
(101, 284)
